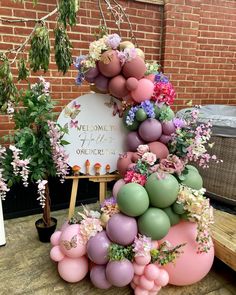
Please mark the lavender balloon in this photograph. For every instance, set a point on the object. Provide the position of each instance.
(122, 229)
(168, 127)
(91, 74)
(133, 140)
(165, 138)
(120, 273)
(97, 248)
(101, 83)
(150, 130)
(98, 277)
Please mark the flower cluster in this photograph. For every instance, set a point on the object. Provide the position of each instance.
(198, 210)
(41, 191)
(132, 176)
(126, 55)
(146, 106)
(110, 207)
(164, 92)
(59, 156)
(142, 245)
(172, 164)
(20, 167)
(190, 140)
(3, 186)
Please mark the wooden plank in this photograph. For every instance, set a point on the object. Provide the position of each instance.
(112, 176)
(73, 197)
(224, 237)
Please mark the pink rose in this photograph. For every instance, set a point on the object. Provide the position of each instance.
(149, 158)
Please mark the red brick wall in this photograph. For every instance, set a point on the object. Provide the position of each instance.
(199, 50)
(146, 23)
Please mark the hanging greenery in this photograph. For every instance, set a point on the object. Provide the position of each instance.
(67, 11)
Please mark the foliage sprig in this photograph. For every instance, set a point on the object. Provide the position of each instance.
(118, 252)
(67, 11)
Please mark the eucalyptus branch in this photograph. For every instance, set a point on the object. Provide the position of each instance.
(101, 12)
(114, 16)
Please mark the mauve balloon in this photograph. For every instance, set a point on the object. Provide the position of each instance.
(120, 273)
(165, 138)
(123, 163)
(159, 149)
(133, 140)
(150, 130)
(117, 86)
(168, 127)
(101, 83)
(98, 277)
(97, 248)
(91, 74)
(122, 229)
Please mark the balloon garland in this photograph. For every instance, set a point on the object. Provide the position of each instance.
(154, 230)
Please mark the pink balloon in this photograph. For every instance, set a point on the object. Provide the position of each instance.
(117, 86)
(133, 140)
(150, 130)
(98, 277)
(65, 225)
(123, 162)
(189, 267)
(143, 260)
(162, 279)
(151, 77)
(144, 90)
(73, 270)
(138, 269)
(109, 64)
(145, 283)
(134, 68)
(168, 127)
(133, 286)
(55, 237)
(117, 186)
(56, 254)
(91, 74)
(135, 157)
(140, 291)
(70, 242)
(136, 279)
(159, 149)
(151, 272)
(154, 244)
(156, 289)
(131, 83)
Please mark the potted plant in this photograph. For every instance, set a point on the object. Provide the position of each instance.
(35, 151)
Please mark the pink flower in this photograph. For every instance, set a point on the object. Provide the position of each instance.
(149, 158)
(172, 164)
(132, 176)
(142, 149)
(41, 192)
(89, 227)
(164, 92)
(142, 245)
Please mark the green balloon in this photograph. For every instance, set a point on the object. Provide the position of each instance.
(132, 199)
(191, 167)
(140, 115)
(162, 192)
(157, 111)
(133, 126)
(192, 179)
(154, 223)
(178, 208)
(174, 218)
(184, 216)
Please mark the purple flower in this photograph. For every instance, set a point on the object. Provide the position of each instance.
(113, 41)
(179, 123)
(78, 63)
(147, 106)
(79, 79)
(161, 78)
(131, 115)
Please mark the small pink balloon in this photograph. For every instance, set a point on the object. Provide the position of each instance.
(117, 86)
(140, 291)
(151, 272)
(162, 279)
(73, 270)
(159, 149)
(165, 138)
(138, 268)
(101, 83)
(156, 289)
(143, 260)
(65, 225)
(131, 83)
(55, 237)
(136, 279)
(168, 127)
(56, 254)
(145, 283)
(144, 90)
(153, 292)
(70, 242)
(117, 186)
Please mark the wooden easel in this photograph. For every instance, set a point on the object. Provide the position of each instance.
(102, 179)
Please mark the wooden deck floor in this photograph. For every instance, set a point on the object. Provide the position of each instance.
(25, 268)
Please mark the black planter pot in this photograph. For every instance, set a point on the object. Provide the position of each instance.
(45, 232)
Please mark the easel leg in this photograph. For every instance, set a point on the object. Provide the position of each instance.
(73, 197)
(102, 191)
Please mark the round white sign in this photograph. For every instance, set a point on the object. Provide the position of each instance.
(95, 136)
